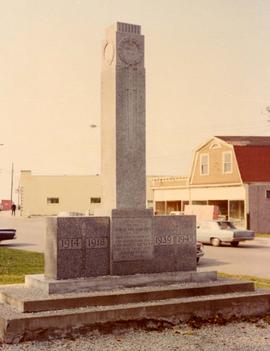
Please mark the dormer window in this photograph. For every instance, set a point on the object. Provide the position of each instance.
(204, 164)
(227, 162)
(215, 146)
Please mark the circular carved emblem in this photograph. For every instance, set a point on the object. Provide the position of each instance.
(130, 51)
(108, 53)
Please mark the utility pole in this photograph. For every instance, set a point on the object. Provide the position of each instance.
(11, 188)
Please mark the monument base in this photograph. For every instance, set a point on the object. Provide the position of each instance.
(132, 241)
(77, 247)
(53, 286)
(143, 243)
(30, 313)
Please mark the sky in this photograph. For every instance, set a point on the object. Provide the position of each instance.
(207, 73)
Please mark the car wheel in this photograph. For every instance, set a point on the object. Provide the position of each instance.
(235, 243)
(215, 242)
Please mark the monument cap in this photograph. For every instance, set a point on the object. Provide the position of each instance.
(124, 28)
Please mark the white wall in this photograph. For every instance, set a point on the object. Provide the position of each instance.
(205, 193)
(74, 193)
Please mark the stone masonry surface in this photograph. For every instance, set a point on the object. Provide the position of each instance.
(123, 118)
(77, 247)
(152, 244)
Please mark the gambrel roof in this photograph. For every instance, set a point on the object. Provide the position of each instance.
(253, 156)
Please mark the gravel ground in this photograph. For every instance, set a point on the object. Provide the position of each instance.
(244, 336)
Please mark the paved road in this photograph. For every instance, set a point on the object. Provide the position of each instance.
(250, 258)
(30, 232)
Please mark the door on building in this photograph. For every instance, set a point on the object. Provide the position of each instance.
(237, 212)
(223, 207)
(173, 206)
(160, 207)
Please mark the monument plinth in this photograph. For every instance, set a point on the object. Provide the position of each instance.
(144, 243)
(77, 247)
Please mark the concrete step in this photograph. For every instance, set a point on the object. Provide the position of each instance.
(16, 326)
(34, 300)
(102, 283)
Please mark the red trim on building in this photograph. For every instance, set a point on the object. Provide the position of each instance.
(246, 140)
(253, 162)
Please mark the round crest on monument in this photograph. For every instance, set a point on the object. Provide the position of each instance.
(108, 53)
(130, 51)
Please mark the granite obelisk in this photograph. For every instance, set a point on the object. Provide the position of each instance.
(140, 242)
(123, 118)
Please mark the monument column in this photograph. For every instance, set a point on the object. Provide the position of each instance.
(123, 119)
(139, 241)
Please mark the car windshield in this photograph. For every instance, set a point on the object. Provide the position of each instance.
(226, 225)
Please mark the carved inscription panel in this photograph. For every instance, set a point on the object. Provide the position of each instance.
(96, 243)
(168, 239)
(70, 244)
(79, 243)
(132, 239)
(77, 247)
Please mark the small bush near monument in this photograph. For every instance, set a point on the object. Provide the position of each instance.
(15, 264)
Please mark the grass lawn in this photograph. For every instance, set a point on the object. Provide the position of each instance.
(262, 235)
(259, 282)
(14, 264)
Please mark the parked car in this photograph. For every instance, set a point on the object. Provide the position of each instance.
(70, 214)
(217, 232)
(7, 234)
(200, 251)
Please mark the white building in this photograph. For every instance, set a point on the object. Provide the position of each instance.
(44, 195)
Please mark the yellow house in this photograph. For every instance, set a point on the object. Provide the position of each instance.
(229, 172)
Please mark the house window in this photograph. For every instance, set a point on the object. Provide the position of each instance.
(267, 194)
(52, 200)
(215, 146)
(204, 164)
(160, 207)
(185, 203)
(227, 162)
(95, 200)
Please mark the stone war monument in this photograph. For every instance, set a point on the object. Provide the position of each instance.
(127, 239)
(126, 265)
(140, 242)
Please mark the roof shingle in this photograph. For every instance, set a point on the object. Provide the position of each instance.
(253, 162)
(246, 140)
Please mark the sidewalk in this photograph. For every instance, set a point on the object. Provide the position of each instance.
(30, 232)
(7, 214)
